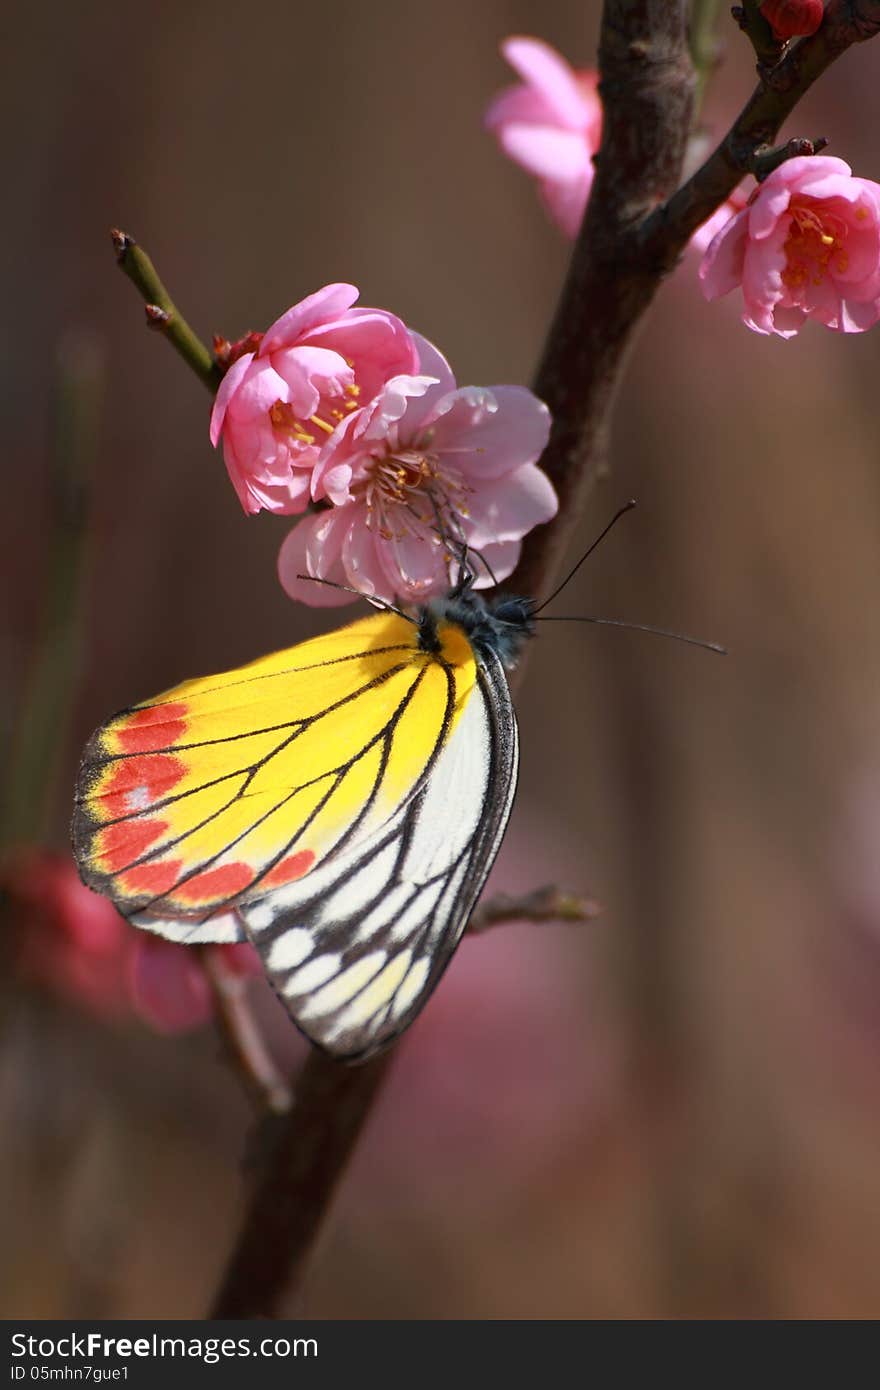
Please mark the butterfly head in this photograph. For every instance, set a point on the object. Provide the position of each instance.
(501, 626)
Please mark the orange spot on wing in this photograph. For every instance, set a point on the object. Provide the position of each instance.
(152, 878)
(295, 866)
(154, 775)
(222, 882)
(157, 726)
(118, 845)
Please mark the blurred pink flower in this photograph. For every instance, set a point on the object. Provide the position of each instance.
(806, 246)
(278, 403)
(423, 466)
(74, 942)
(169, 988)
(551, 125)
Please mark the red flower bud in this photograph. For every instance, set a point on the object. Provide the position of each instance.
(790, 19)
(226, 352)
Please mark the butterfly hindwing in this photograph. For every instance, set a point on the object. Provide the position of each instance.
(355, 949)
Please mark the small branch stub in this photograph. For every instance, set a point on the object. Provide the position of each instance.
(768, 48)
(766, 159)
(156, 317)
(548, 904)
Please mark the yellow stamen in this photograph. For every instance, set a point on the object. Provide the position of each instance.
(322, 424)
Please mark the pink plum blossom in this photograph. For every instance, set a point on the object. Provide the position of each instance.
(551, 125)
(807, 245)
(421, 469)
(278, 402)
(74, 943)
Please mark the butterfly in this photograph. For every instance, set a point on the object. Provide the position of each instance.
(339, 804)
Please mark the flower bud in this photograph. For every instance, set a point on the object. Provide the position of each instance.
(791, 19)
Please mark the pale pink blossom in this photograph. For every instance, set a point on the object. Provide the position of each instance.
(806, 246)
(414, 475)
(551, 125)
(278, 403)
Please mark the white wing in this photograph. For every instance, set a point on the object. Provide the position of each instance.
(355, 948)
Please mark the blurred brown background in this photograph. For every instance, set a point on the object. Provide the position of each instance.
(674, 1110)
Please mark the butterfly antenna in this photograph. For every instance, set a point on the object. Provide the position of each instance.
(627, 507)
(644, 627)
(456, 543)
(358, 593)
(483, 561)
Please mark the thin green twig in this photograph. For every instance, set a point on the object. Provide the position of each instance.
(163, 314)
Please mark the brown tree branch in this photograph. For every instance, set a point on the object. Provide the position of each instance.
(285, 1214)
(768, 49)
(647, 88)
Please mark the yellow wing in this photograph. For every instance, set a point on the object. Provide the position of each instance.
(231, 785)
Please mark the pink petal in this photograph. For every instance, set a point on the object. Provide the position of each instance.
(792, 172)
(521, 104)
(413, 564)
(770, 204)
(433, 363)
(542, 68)
(379, 344)
(762, 285)
(287, 498)
(225, 392)
(487, 432)
(722, 266)
(504, 509)
(567, 202)
(502, 559)
(400, 395)
(316, 308)
(706, 234)
(314, 547)
(812, 167)
(857, 317)
(546, 152)
(168, 985)
(363, 567)
(401, 410)
(334, 484)
(862, 250)
(325, 370)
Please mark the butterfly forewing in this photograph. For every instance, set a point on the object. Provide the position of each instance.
(228, 786)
